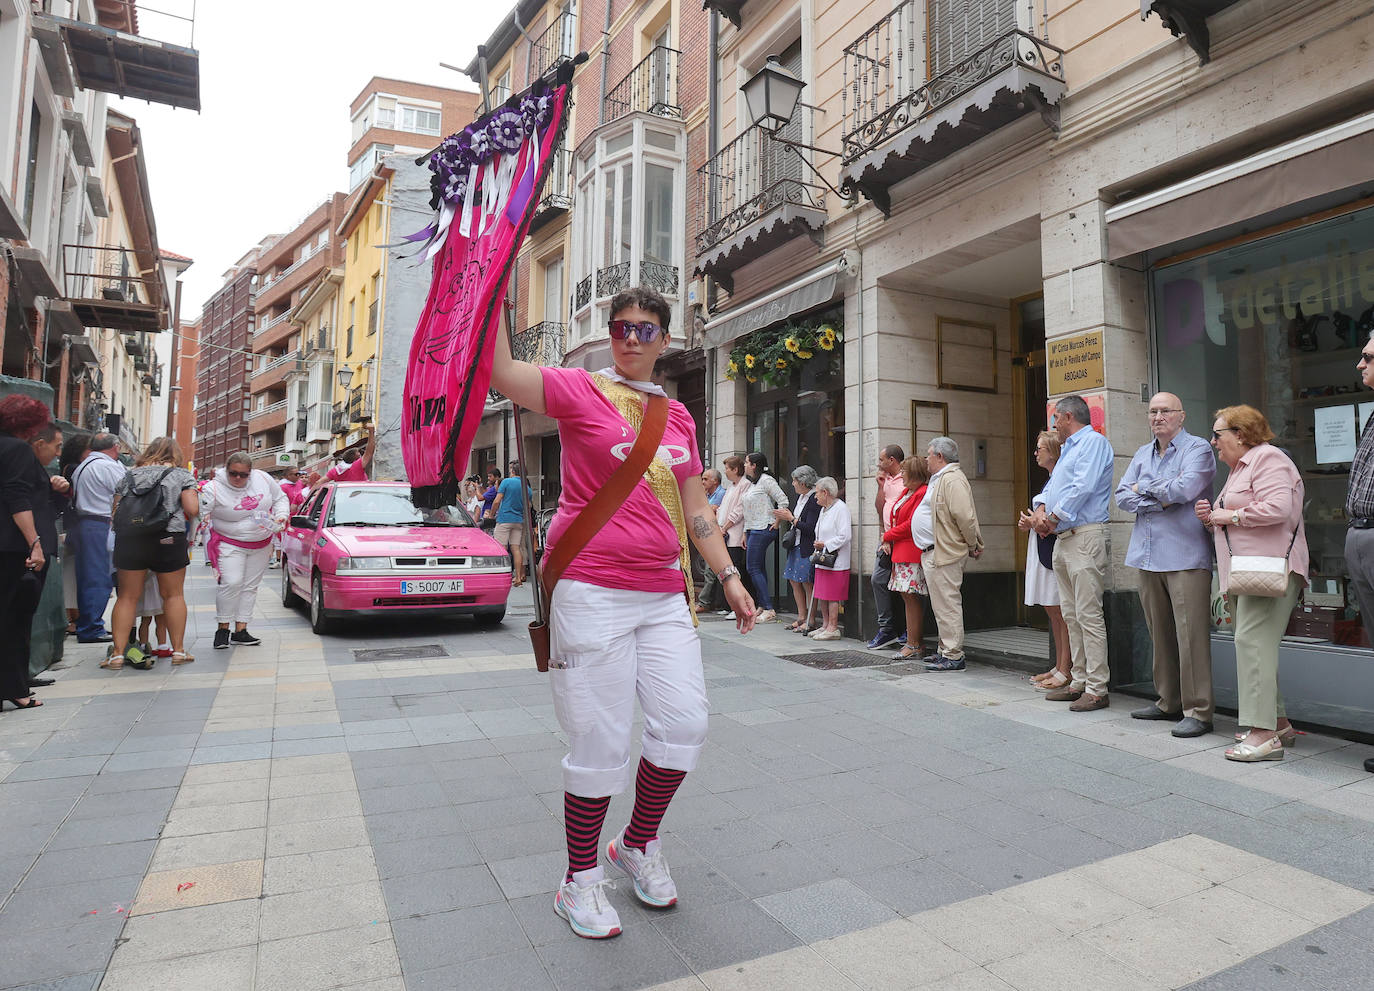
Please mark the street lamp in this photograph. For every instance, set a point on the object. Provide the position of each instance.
(771, 95)
(345, 375)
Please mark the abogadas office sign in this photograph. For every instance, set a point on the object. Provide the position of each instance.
(1075, 363)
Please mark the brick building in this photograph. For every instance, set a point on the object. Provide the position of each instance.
(287, 269)
(226, 326)
(393, 115)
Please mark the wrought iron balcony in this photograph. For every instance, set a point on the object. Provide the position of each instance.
(338, 424)
(558, 190)
(556, 45)
(583, 294)
(107, 290)
(650, 87)
(612, 279)
(541, 344)
(915, 104)
(759, 194)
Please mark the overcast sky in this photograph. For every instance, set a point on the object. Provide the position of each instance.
(271, 139)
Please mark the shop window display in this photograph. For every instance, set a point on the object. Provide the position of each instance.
(1278, 322)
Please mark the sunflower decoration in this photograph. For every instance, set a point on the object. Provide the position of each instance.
(773, 356)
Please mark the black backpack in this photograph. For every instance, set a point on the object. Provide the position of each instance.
(142, 509)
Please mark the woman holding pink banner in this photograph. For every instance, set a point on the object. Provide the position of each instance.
(244, 508)
(621, 622)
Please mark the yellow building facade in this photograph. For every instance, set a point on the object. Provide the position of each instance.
(358, 342)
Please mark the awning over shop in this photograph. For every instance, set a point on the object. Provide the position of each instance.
(1324, 162)
(807, 293)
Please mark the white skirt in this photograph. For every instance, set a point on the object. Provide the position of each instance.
(1042, 588)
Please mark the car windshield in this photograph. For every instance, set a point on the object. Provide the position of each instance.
(374, 506)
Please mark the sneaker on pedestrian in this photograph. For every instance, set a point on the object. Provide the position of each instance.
(242, 638)
(583, 903)
(943, 663)
(882, 639)
(221, 639)
(653, 884)
(901, 641)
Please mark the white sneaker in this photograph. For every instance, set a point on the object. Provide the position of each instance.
(653, 884)
(583, 903)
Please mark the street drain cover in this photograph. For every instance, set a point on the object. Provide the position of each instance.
(839, 660)
(409, 652)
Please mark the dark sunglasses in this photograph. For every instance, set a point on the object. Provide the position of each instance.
(240, 474)
(646, 332)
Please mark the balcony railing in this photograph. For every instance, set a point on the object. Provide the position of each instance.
(337, 422)
(271, 322)
(107, 290)
(541, 344)
(650, 87)
(612, 279)
(267, 410)
(558, 187)
(886, 80)
(756, 177)
(556, 45)
(282, 360)
(583, 294)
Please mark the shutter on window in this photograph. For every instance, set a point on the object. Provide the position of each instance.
(960, 28)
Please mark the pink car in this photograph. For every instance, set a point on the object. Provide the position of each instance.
(363, 549)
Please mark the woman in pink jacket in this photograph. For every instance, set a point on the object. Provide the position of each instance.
(1259, 513)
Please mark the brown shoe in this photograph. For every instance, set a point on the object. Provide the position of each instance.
(1090, 702)
(1066, 694)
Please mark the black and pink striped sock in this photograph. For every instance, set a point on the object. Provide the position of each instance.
(654, 789)
(582, 819)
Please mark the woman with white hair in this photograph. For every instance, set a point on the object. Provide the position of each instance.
(799, 570)
(833, 534)
(244, 508)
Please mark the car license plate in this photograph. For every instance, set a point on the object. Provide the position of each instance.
(437, 586)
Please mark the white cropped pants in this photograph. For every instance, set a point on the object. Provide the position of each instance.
(610, 646)
(240, 571)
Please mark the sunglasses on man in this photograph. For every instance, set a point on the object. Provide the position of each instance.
(645, 331)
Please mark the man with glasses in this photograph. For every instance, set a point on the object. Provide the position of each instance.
(1359, 511)
(1074, 507)
(1173, 552)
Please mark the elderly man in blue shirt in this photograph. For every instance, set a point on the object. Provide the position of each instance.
(1074, 507)
(1173, 551)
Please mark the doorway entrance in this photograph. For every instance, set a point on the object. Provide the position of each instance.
(1031, 393)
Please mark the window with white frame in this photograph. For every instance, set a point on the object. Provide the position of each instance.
(419, 121)
(628, 220)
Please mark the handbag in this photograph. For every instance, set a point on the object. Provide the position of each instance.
(607, 501)
(822, 558)
(1044, 549)
(1257, 574)
(790, 538)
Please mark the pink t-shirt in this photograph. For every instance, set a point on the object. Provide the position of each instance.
(638, 547)
(295, 492)
(344, 472)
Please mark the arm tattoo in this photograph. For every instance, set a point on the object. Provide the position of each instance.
(701, 527)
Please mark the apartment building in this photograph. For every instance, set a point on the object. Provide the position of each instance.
(310, 435)
(81, 260)
(181, 390)
(278, 386)
(615, 210)
(997, 204)
(395, 116)
(224, 364)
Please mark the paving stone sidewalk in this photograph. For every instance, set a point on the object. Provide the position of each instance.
(300, 815)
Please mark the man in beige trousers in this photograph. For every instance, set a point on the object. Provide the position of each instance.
(945, 528)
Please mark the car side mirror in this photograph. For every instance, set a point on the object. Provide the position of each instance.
(302, 522)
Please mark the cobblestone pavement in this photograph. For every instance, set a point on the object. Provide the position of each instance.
(298, 816)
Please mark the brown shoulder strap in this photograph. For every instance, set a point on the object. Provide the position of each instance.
(609, 497)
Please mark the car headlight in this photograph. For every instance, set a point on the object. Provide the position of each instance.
(363, 563)
(491, 562)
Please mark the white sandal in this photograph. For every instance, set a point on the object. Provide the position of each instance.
(1270, 749)
(114, 662)
(181, 657)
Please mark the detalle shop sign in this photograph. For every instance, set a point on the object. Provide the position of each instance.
(1075, 363)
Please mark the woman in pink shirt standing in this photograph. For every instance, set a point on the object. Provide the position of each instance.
(1258, 513)
(620, 621)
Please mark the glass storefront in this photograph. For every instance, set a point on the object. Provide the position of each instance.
(1278, 323)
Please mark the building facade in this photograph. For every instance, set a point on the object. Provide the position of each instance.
(77, 233)
(181, 390)
(225, 361)
(278, 386)
(393, 116)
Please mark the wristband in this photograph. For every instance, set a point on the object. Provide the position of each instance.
(730, 572)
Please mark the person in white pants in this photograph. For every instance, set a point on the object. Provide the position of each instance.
(621, 625)
(244, 508)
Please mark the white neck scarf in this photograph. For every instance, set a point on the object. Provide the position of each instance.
(645, 387)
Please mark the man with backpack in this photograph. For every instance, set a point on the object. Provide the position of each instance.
(93, 485)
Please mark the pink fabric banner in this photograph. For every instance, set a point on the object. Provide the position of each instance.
(488, 180)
